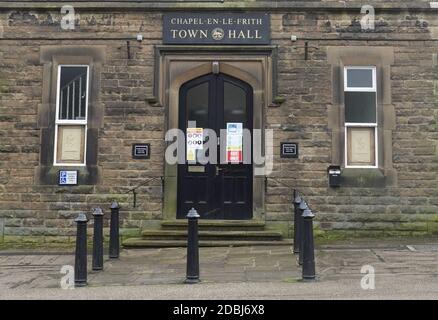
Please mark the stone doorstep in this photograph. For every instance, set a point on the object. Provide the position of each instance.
(212, 235)
(144, 243)
(215, 225)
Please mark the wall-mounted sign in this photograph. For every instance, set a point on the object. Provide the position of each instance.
(216, 28)
(234, 142)
(68, 177)
(289, 150)
(141, 151)
(195, 141)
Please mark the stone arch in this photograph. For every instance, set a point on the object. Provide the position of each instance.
(177, 68)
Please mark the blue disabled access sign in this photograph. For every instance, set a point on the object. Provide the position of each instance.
(68, 178)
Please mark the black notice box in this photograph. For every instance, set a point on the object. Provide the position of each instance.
(141, 151)
(289, 150)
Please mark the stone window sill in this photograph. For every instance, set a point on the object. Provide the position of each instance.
(367, 177)
(87, 175)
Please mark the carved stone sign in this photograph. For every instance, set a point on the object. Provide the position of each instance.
(216, 28)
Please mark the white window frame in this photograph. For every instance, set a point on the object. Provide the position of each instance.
(362, 125)
(360, 89)
(58, 121)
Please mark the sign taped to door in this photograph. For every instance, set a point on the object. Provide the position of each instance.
(195, 141)
(234, 142)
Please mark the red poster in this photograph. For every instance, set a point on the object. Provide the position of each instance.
(235, 156)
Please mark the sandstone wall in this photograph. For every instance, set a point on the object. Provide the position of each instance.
(36, 211)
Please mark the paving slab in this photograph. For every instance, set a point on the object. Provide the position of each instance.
(275, 266)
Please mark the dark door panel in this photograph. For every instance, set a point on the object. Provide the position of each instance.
(216, 191)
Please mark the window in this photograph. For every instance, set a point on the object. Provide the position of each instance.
(360, 96)
(71, 115)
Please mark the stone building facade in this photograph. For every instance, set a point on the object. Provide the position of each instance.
(301, 97)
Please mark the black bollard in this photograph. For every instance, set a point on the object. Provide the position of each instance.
(309, 254)
(192, 248)
(303, 206)
(81, 251)
(114, 231)
(98, 239)
(297, 217)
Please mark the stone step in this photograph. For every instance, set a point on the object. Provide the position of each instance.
(138, 243)
(215, 225)
(212, 235)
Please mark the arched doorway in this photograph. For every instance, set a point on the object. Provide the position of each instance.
(217, 190)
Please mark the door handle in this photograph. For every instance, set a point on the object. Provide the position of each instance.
(218, 170)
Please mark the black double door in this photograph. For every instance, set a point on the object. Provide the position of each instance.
(216, 190)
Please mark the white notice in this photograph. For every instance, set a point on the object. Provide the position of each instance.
(195, 141)
(234, 142)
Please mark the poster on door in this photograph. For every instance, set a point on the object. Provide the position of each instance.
(195, 141)
(234, 142)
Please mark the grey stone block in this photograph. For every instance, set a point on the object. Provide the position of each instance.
(2, 227)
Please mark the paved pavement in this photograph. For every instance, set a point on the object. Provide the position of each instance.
(270, 272)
